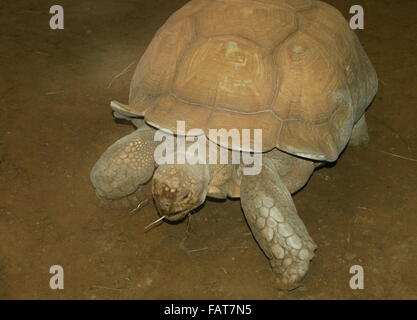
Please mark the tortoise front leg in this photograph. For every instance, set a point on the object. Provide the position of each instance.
(272, 216)
(125, 165)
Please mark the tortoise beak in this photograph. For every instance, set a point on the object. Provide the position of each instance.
(166, 210)
(177, 216)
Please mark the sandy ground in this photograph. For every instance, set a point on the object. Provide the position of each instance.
(55, 122)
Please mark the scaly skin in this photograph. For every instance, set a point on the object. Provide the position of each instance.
(359, 135)
(272, 216)
(125, 165)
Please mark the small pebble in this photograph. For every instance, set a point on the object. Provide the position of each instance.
(350, 256)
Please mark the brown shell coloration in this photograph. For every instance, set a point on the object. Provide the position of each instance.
(292, 68)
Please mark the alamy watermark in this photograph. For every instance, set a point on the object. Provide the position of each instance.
(194, 147)
(357, 280)
(57, 20)
(56, 282)
(357, 21)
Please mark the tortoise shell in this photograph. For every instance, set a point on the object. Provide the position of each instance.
(292, 68)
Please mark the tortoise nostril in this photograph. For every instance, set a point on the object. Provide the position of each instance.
(168, 192)
(164, 205)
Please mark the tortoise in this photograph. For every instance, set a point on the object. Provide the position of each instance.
(292, 68)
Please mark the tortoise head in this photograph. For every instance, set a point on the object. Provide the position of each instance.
(177, 189)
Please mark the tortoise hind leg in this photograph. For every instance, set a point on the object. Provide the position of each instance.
(359, 135)
(273, 219)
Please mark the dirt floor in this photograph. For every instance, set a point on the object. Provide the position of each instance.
(55, 122)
